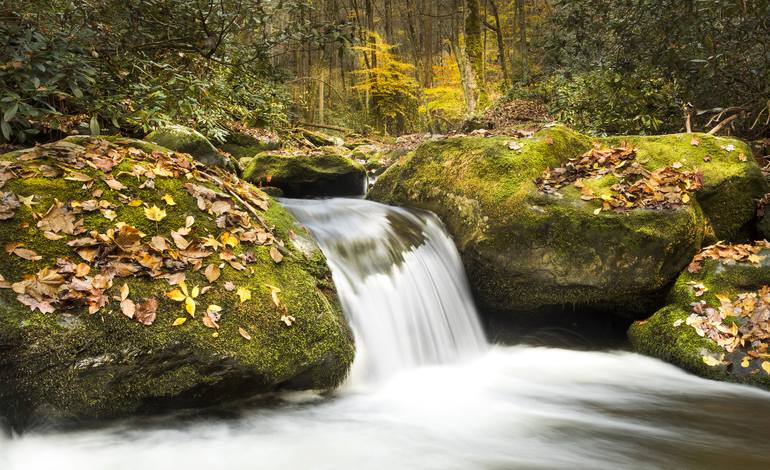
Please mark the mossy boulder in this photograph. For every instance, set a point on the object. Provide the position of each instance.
(241, 145)
(524, 249)
(669, 336)
(187, 140)
(328, 172)
(110, 241)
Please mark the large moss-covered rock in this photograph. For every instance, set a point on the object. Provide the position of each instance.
(524, 249)
(82, 218)
(184, 139)
(671, 334)
(328, 172)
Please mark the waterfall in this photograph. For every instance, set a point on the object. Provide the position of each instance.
(400, 281)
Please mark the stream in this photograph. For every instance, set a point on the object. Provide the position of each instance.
(427, 391)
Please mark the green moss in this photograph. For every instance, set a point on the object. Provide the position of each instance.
(72, 364)
(525, 250)
(681, 345)
(307, 174)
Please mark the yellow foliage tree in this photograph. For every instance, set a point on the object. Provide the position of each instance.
(389, 83)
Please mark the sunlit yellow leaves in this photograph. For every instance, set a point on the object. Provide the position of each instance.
(187, 297)
(228, 239)
(168, 199)
(179, 321)
(766, 366)
(243, 293)
(135, 203)
(154, 213)
(211, 242)
(711, 361)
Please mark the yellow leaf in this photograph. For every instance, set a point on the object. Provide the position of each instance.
(195, 291)
(176, 295)
(213, 309)
(745, 361)
(124, 292)
(244, 294)
(179, 321)
(189, 305)
(229, 240)
(135, 203)
(168, 199)
(711, 361)
(685, 198)
(766, 366)
(154, 213)
(597, 211)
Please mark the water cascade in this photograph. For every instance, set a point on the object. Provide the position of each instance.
(401, 283)
(428, 393)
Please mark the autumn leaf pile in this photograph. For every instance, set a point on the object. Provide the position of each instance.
(91, 277)
(729, 254)
(741, 327)
(665, 188)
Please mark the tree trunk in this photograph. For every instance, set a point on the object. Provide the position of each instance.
(522, 18)
(501, 54)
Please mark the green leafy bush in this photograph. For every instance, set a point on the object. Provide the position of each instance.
(605, 101)
(41, 76)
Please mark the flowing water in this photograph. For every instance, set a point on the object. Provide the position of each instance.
(427, 392)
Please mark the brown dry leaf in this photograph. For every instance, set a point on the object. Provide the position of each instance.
(82, 270)
(229, 286)
(60, 219)
(114, 184)
(8, 205)
(244, 333)
(128, 307)
(275, 254)
(180, 241)
(52, 236)
(548, 140)
(695, 142)
(212, 272)
(27, 254)
(145, 312)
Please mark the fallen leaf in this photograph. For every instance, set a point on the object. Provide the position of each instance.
(212, 272)
(711, 361)
(154, 213)
(243, 294)
(695, 142)
(179, 321)
(288, 319)
(128, 307)
(275, 254)
(146, 311)
(766, 366)
(27, 254)
(168, 199)
(124, 291)
(244, 333)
